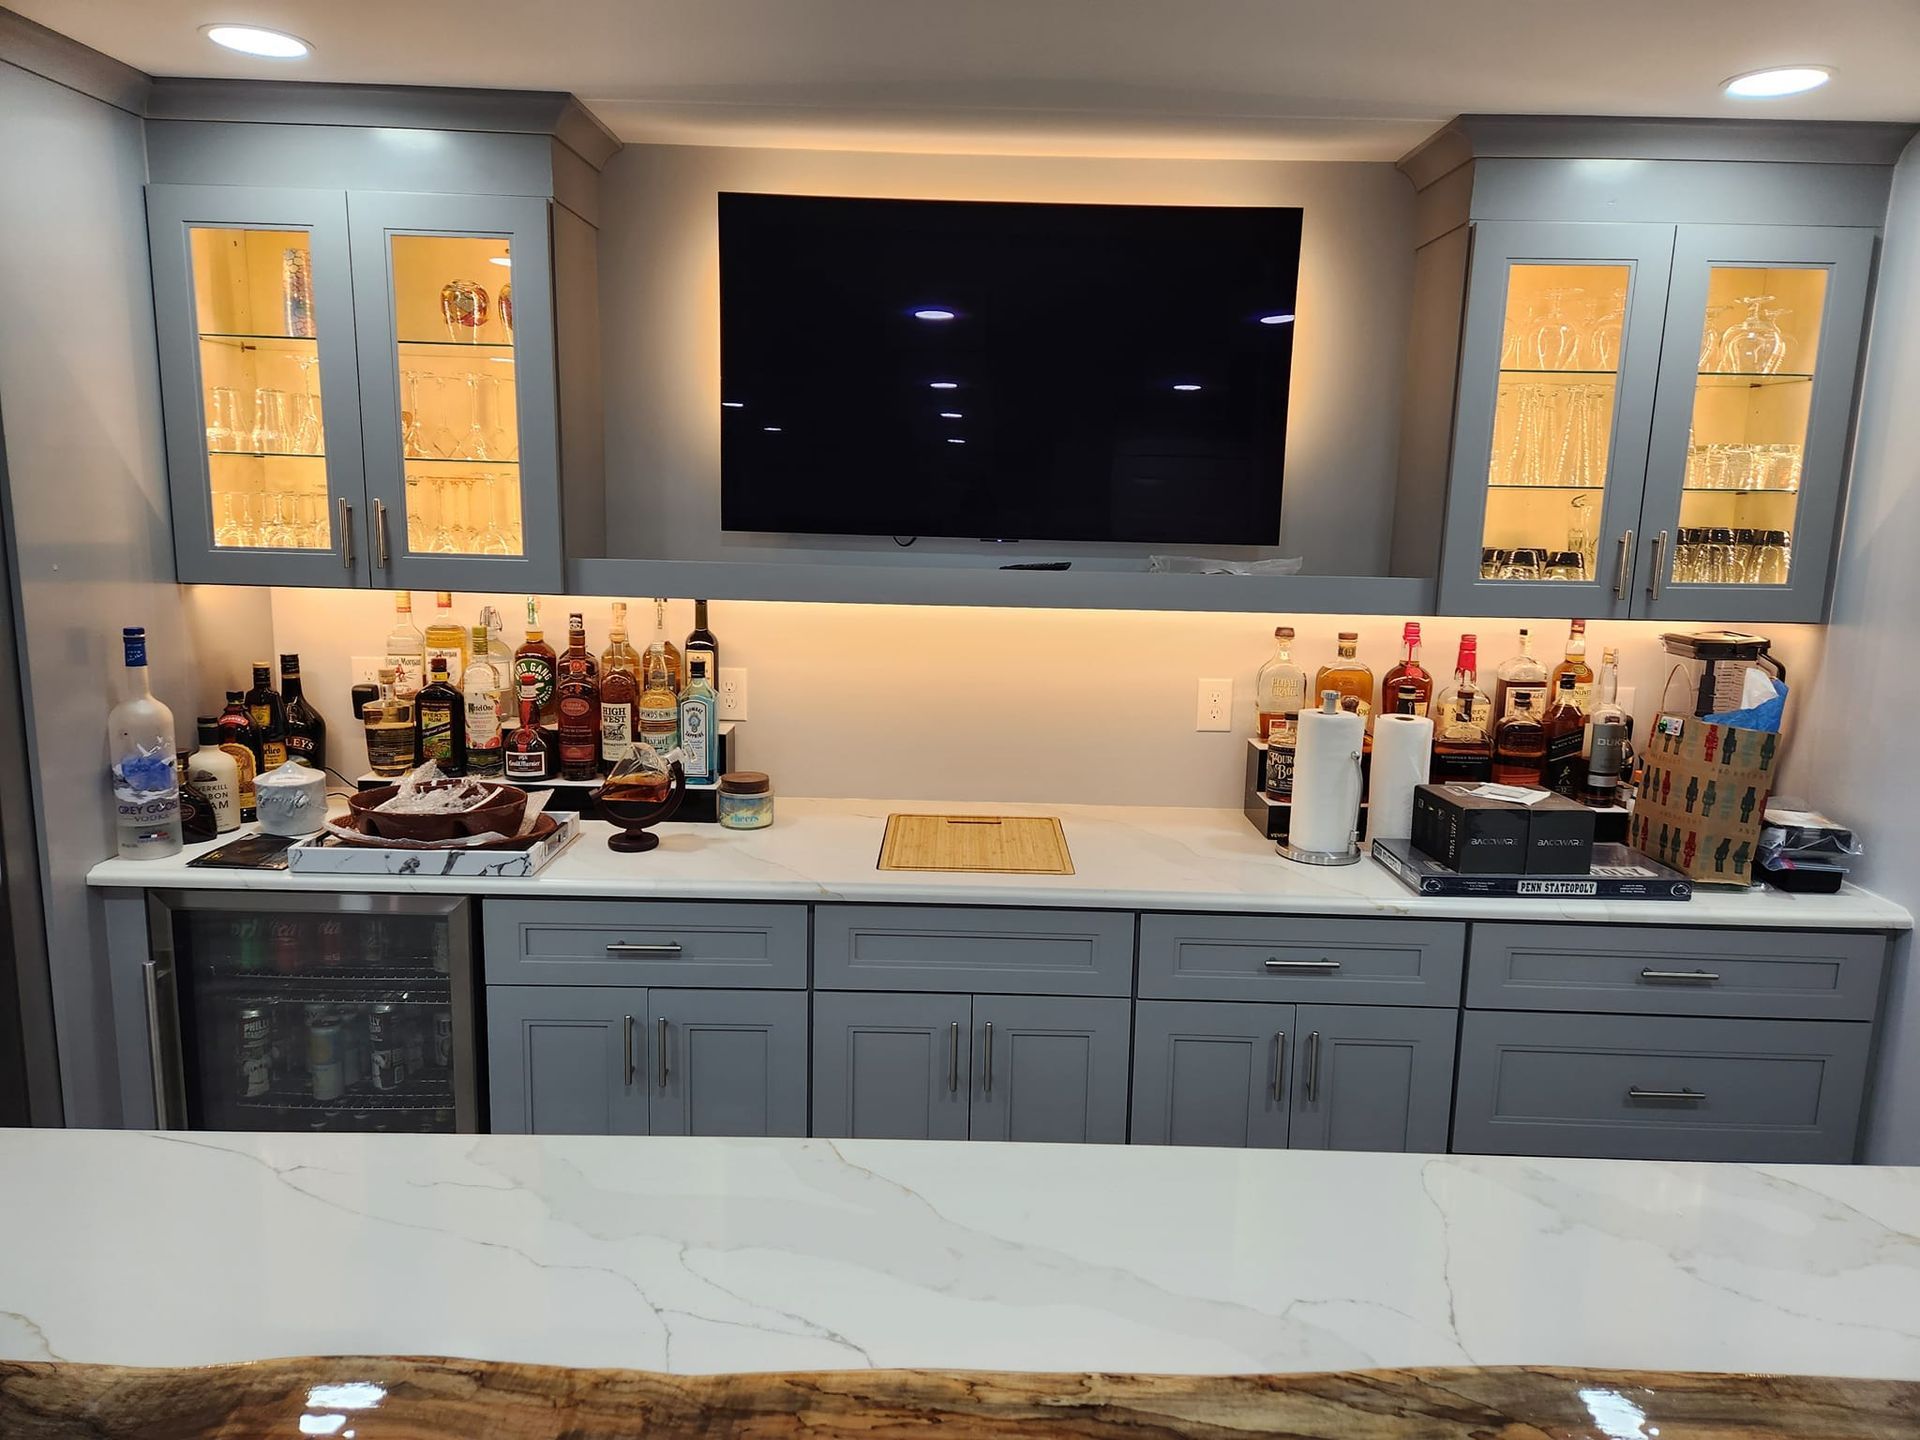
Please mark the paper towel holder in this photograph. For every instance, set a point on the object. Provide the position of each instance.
(1348, 856)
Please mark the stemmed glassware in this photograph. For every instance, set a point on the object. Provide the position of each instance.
(474, 445)
(225, 432)
(1556, 342)
(269, 421)
(1753, 344)
(1608, 319)
(305, 434)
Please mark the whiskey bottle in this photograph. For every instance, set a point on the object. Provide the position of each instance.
(447, 639)
(197, 818)
(579, 692)
(535, 661)
(406, 648)
(269, 716)
(676, 676)
(1576, 665)
(1407, 689)
(1607, 753)
(1462, 723)
(659, 709)
(236, 738)
(216, 774)
(484, 688)
(701, 640)
(1350, 678)
(1280, 690)
(1566, 729)
(1518, 673)
(440, 721)
(619, 691)
(699, 706)
(306, 731)
(529, 754)
(1519, 746)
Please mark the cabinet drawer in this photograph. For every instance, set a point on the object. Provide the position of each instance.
(1281, 957)
(1659, 1088)
(1764, 974)
(1008, 952)
(645, 942)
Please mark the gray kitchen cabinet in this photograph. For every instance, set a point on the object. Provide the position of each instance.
(1050, 1068)
(892, 1067)
(727, 1062)
(1372, 1078)
(947, 948)
(1211, 1074)
(1291, 957)
(705, 944)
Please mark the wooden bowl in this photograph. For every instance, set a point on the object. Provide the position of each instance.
(502, 813)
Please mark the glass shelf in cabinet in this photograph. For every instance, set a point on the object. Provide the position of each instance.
(236, 337)
(1521, 485)
(455, 460)
(267, 454)
(1570, 374)
(1735, 378)
(1726, 490)
(407, 344)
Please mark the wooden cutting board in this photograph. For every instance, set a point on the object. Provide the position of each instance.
(1002, 844)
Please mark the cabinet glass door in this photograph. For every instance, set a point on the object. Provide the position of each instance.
(1559, 350)
(1750, 425)
(253, 296)
(457, 368)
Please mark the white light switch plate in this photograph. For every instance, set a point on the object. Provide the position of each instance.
(733, 693)
(1213, 709)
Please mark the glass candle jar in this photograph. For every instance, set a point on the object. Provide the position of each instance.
(746, 800)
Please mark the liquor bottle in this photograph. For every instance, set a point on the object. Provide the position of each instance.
(1407, 689)
(146, 790)
(1576, 665)
(306, 731)
(529, 754)
(1518, 673)
(699, 706)
(535, 661)
(1463, 723)
(484, 688)
(1607, 752)
(440, 721)
(406, 648)
(699, 639)
(619, 691)
(1566, 729)
(659, 709)
(1280, 690)
(671, 652)
(447, 638)
(236, 738)
(498, 651)
(197, 819)
(1347, 675)
(389, 722)
(216, 774)
(269, 716)
(579, 691)
(1519, 746)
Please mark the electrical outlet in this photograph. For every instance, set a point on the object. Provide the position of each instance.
(1215, 705)
(366, 669)
(733, 693)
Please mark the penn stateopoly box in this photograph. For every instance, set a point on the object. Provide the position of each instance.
(1703, 798)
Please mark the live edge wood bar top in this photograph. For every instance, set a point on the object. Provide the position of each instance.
(408, 1398)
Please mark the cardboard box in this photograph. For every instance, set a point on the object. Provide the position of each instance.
(1469, 833)
(1704, 796)
(1560, 835)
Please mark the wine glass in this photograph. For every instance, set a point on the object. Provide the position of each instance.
(1780, 351)
(493, 540)
(224, 430)
(443, 439)
(443, 541)
(1710, 339)
(410, 416)
(501, 432)
(230, 532)
(1752, 345)
(1556, 343)
(269, 421)
(1516, 349)
(474, 445)
(306, 431)
(1603, 334)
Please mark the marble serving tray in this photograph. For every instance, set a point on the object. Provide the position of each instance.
(318, 857)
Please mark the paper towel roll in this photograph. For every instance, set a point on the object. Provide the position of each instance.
(1326, 780)
(1402, 752)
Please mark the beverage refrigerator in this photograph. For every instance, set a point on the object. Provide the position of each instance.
(312, 1012)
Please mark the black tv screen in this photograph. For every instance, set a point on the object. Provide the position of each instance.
(1005, 371)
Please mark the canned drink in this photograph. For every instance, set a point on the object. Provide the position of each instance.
(245, 935)
(284, 943)
(414, 1027)
(371, 953)
(332, 934)
(256, 1052)
(353, 1049)
(443, 1038)
(329, 1081)
(323, 1039)
(386, 1051)
(442, 947)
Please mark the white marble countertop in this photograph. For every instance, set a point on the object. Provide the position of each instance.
(711, 1255)
(1124, 857)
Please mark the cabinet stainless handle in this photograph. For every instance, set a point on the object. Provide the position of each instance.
(380, 532)
(666, 1035)
(1623, 581)
(1685, 977)
(1313, 1067)
(989, 1057)
(1274, 963)
(346, 534)
(953, 1058)
(627, 1036)
(1279, 1065)
(628, 947)
(156, 1048)
(1636, 1093)
(1653, 575)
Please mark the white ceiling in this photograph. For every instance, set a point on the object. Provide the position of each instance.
(1362, 79)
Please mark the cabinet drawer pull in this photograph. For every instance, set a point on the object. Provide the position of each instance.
(380, 532)
(1623, 580)
(666, 1036)
(1313, 1067)
(953, 1059)
(989, 1059)
(346, 534)
(628, 947)
(1685, 977)
(1695, 1096)
(1279, 1066)
(1653, 573)
(1274, 963)
(627, 1035)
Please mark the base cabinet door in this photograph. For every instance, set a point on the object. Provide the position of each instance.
(1211, 1074)
(567, 1059)
(1050, 1068)
(1372, 1078)
(891, 1066)
(727, 1062)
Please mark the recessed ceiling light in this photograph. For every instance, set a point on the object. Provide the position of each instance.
(771, 429)
(943, 384)
(1188, 386)
(1284, 317)
(252, 40)
(1778, 82)
(933, 314)
(955, 440)
(733, 404)
(951, 415)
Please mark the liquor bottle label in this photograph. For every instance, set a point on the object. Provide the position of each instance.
(436, 733)
(273, 754)
(407, 675)
(538, 669)
(1608, 754)
(616, 731)
(526, 765)
(1562, 770)
(1536, 696)
(1278, 778)
(483, 721)
(243, 762)
(1583, 697)
(450, 654)
(660, 725)
(695, 740)
(302, 748)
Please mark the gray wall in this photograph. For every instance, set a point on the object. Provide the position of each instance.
(1868, 773)
(659, 273)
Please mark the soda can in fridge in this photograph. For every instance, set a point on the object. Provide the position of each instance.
(443, 1038)
(256, 1052)
(386, 1049)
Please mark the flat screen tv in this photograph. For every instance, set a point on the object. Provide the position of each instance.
(1005, 371)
